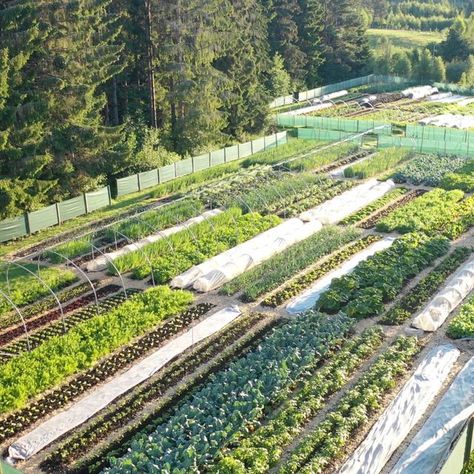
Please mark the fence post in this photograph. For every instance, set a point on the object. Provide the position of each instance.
(276, 140)
(209, 159)
(251, 147)
(58, 213)
(27, 223)
(110, 194)
(225, 155)
(85, 203)
(138, 181)
(467, 449)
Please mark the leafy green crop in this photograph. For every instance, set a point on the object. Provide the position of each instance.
(49, 364)
(234, 397)
(462, 325)
(440, 211)
(380, 278)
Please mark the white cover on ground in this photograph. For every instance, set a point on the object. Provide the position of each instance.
(419, 92)
(440, 307)
(403, 413)
(308, 298)
(224, 267)
(311, 108)
(99, 398)
(339, 207)
(432, 443)
(450, 120)
(100, 263)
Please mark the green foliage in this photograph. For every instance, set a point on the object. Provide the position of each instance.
(24, 288)
(425, 288)
(260, 449)
(380, 278)
(333, 261)
(462, 325)
(429, 169)
(275, 271)
(236, 396)
(171, 256)
(49, 364)
(462, 178)
(446, 212)
(280, 80)
(382, 162)
(325, 443)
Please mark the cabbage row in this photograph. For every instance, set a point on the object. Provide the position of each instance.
(235, 397)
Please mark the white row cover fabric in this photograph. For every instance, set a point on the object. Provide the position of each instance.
(450, 120)
(336, 209)
(419, 92)
(432, 443)
(309, 298)
(99, 398)
(403, 413)
(339, 172)
(440, 307)
(311, 108)
(250, 255)
(100, 263)
(223, 267)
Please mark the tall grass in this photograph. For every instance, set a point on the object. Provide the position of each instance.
(321, 158)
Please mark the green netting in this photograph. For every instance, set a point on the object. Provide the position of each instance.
(245, 149)
(232, 153)
(13, 228)
(202, 162)
(148, 179)
(326, 135)
(97, 199)
(71, 208)
(258, 145)
(166, 173)
(217, 157)
(46, 217)
(127, 185)
(184, 167)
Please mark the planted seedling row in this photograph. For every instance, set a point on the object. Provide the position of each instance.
(372, 220)
(21, 419)
(60, 327)
(304, 281)
(18, 331)
(125, 413)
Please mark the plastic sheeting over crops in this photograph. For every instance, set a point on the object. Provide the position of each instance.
(432, 443)
(99, 398)
(224, 267)
(336, 209)
(100, 263)
(450, 120)
(439, 308)
(310, 297)
(403, 413)
(419, 92)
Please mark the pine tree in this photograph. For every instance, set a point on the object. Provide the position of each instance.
(345, 46)
(280, 80)
(438, 69)
(285, 36)
(467, 77)
(455, 46)
(401, 65)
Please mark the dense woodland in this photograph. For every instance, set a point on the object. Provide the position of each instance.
(95, 89)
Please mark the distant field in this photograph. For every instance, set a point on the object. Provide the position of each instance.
(404, 39)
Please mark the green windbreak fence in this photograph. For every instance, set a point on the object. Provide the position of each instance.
(427, 132)
(326, 135)
(141, 181)
(339, 124)
(49, 216)
(427, 146)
